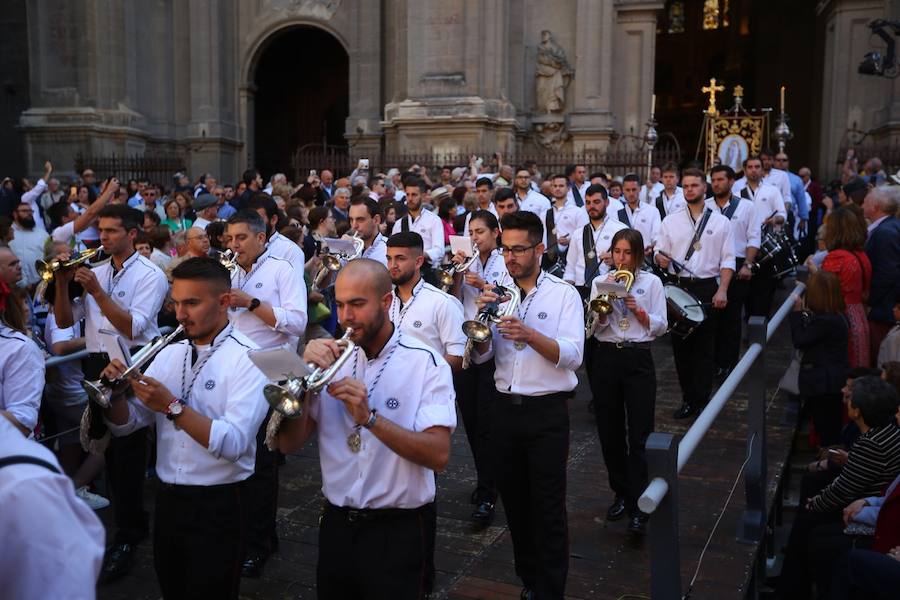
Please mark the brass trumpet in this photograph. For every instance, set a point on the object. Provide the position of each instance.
(47, 269)
(333, 261)
(602, 304)
(448, 271)
(478, 330)
(287, 397)
(100, 391)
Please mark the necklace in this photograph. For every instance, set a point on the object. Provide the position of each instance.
(354, 440)
(405, 308)
(529, 299)
(115, 278)
(593, 253)
(195, 369)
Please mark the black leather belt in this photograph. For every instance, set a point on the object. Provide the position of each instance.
(696, 279)
(520, 399)
(627, 344)
(356, 515)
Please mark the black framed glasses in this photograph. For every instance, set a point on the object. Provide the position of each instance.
(516, 251)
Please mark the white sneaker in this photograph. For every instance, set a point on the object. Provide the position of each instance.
(95, 501)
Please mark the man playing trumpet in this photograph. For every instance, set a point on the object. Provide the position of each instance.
(381, 439)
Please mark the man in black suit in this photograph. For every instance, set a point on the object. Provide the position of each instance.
(883, 248)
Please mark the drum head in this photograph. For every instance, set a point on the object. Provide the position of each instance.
(686, 302)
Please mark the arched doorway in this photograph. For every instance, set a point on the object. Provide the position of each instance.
(302, 96)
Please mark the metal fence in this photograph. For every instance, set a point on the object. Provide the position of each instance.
(667, 456)
(156, 168)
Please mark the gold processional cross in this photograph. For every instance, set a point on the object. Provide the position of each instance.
(711, 89)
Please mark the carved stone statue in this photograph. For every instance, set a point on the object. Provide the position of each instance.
(552, 76)
(551, 135)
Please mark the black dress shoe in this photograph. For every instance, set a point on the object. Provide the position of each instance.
(638, 523)
(253, 567)
(686, 411)
(483, 515)
(617, 510)
(119, 559)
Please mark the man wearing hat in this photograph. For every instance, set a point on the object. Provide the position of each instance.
(206, 206)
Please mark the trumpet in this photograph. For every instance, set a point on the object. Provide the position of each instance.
(228, 260)
(602, 304)
(478, 330)
(333, 261)
(447, 272)
(287, 396)
(47, 269)
(100, 391)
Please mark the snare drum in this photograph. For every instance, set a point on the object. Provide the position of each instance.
(769, 249)
(786, 260)
(684, 309)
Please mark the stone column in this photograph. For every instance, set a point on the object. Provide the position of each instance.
(363, 127)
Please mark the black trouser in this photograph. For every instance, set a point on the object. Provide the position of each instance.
(531, 447)
(694, 361)
(374, 554)
(728, 333)
(795, 580)
(827, 544)
(475, 393)
(866, 575)
(261, 499)
(198, 538)
(126, 466)
(762, 290)
(624, 405)
(827, 411)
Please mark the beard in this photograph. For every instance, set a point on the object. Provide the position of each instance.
(27, 222)
(403, 278)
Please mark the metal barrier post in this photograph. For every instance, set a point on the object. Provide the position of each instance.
(752, 526)
(665, 555)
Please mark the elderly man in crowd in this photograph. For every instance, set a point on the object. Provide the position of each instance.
(883, 249)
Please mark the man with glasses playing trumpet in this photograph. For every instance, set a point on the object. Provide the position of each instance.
(623, 321)
(381, 439)
(204, 396)
(536, 351)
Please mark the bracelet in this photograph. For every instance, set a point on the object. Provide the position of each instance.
(373, 417)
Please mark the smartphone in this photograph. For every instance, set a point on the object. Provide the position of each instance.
(833, 451)
(363, 164)
(312, 173)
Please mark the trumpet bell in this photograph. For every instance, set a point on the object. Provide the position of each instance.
(601, 305)
(331, 262)
(445, 277)
(46, 269)
(98, 392)
(286, 397)
(477, 331)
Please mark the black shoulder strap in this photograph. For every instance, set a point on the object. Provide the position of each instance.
(623, 217)
(27, 460)
(698, 233)
(745, 193)
(661, 207)
(576, 194)
(591, 263)
(404, 224)
(732, 206)
(550, 222)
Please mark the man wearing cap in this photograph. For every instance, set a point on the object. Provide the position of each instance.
(206, 206)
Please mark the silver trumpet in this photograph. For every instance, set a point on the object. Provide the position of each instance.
(448, 271)
(287, 396)
(228, 260)
(101, 390)
(478, 330)
(333, 261)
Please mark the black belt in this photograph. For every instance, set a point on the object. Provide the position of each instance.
(686, 280)
(356, 515)
(519, 399)
(627, 344)
(177, 487)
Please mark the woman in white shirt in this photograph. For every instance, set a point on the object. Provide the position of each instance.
(623, 377)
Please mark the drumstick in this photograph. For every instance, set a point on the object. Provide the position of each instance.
(680, 267)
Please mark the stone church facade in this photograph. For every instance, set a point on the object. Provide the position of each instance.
(178, 76)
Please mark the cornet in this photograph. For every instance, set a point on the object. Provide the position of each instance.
(602, 304)
(333, 261)
(478, 330)
(228, 260)
(446, 272)
(101, 390)
(47, 270)
(287, 396)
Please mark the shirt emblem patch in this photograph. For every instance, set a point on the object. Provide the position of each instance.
(417, 324)
(259, 285)
(709, 232)
(122, 294)
(542, 315)
(495, 273)
(639, 291)
(210, 384)
(392, 403)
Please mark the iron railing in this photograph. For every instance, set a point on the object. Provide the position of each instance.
(53, 361)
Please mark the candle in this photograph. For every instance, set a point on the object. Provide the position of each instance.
(653, 105)
(782, 98)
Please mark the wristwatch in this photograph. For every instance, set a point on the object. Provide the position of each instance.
(373, 416)
(254, 304)
(174, 408)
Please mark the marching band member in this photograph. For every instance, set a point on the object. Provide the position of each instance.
(536, 354)
(123, 295)
(561, 220)
(21, 365)
(381, 439)
(278, 245)
(365, 220)
(638, 215)
(423, 222)
(701, 240)
(745, 231)
(475, 385)
(623, 378)
(484, 191)
(420, 309)
(671, 198)
(526, 197)
(589, 254)
(205, 398)
(268, 305)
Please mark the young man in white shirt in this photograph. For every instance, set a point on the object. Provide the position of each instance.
(671, 198)
(365, 220)
(527, 198)
(702, 242)
(576, 178)
(71, 222)
(381, 438)
(589, 251)
(651, 189)
(122, 295)
(204, 396)
(561, 220)
(484, 192)
(638, 215)
(423, 222)
(536, 352)
(745, 229)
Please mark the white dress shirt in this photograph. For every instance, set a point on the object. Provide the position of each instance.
(271, 279)
(139, 287)
(228, 389)
(54, 540)
(648, 292)
(645, 219)
(745, 224)
(645, 197)
(491, 209)
(415, 391)
(430, 227)
(554, 309)
(432, 316)
(670, 204)
(378, 250)
(575, 259)
(31, 198)
(780, 180)
(492, 271)
(64, 384)
(716, 246)
(201, 223)
(766, 198)
(281, 246)
(28, 246)
(21, 375)
(534, 202)
(570, 196)
(567, 220)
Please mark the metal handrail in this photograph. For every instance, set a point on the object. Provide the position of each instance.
(53, 361)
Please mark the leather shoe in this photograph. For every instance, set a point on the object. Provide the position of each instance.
(253, 567)
(483, 515)
(119, 559)
(617, 510)
(686, 411)
(638, 523)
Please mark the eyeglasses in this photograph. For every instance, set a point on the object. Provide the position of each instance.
(516, 251)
